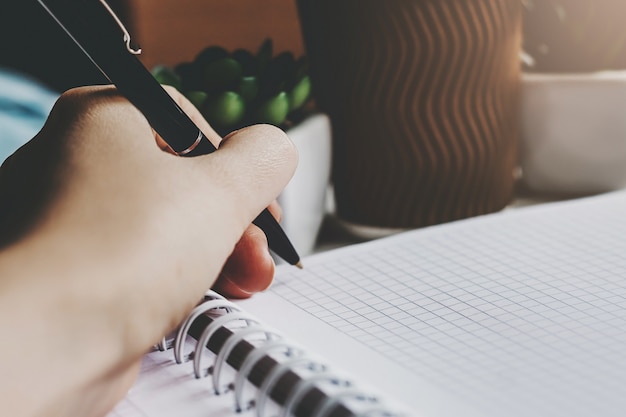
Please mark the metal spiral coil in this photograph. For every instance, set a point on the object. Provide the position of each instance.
(267, 343)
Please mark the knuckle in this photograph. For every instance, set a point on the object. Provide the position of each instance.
(80, 98)
(90, 104)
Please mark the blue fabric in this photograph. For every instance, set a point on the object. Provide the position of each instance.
(24, 107)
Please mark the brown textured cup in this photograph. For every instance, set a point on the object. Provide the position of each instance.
(423, 96)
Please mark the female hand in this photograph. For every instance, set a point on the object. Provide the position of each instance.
(108, 242)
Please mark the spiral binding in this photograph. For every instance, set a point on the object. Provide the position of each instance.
(287, 358)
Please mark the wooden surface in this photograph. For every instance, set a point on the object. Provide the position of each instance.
(173, 31)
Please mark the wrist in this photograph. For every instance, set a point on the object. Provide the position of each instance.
(58, 324)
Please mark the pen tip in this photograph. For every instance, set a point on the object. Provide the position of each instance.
(299, 265)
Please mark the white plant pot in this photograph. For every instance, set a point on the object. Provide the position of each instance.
(574, 132)
(304, 199)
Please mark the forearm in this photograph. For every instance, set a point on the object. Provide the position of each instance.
(64, 332)
(122, 242)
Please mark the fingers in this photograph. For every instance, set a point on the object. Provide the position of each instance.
(254, 165)
(250, 268)
(220, 194)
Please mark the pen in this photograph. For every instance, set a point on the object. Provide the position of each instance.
(100, 34)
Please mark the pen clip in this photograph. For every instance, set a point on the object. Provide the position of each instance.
(127, 40)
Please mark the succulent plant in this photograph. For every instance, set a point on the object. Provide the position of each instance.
(237, 89)
(575, 35)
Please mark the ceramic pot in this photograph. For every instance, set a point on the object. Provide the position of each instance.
(424, 100)
(303, 201)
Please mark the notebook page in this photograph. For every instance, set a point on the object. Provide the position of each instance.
(521, 313)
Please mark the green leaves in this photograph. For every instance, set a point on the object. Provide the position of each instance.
(273, 110)
(223, 73)
(233, 90)
(224, 110)
(300, 93)
(197, 98)
(248, 87)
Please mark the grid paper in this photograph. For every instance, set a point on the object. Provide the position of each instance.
(522, 313)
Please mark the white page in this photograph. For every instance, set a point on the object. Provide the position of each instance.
(521, 313)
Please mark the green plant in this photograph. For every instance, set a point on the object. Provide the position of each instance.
(575, 35)
(237, 89)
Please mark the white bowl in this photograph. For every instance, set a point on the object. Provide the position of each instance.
(574, 132)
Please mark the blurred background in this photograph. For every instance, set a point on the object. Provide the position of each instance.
(538, 110)
(169, 31)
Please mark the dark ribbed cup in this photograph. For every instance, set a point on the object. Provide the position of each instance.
(423, 97)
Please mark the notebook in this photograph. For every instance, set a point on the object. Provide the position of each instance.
(519, 313)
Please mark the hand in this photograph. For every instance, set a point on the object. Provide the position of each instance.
(250, 268)
(108, 243)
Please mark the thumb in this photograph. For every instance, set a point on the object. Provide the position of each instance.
(254, 165)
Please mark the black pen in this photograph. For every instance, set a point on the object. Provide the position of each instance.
(103, 38)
